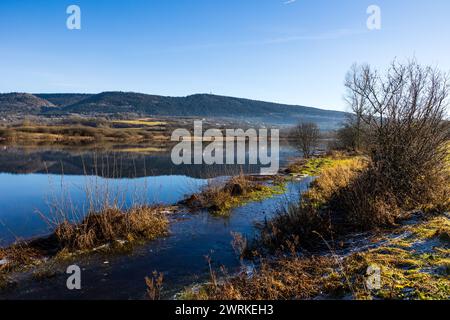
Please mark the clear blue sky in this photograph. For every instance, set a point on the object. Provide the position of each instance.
(296, 53)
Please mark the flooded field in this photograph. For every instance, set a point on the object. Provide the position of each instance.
(32, 189)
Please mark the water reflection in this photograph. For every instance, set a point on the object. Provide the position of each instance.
(27, 198)
(32, 181)
(114, 163)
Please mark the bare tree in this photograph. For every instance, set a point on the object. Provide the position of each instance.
(353, 132)
(348, 137)
(404, 116)
(306, 137)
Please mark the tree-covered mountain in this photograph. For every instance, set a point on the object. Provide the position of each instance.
(63, 99)
(22, 103)
(198, 105)
(202, 105)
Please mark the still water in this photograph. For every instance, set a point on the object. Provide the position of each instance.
(29, 184)
(26, 197)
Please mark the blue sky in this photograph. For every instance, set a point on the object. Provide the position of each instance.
(296, 53)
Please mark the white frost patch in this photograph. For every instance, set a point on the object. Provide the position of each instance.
(101, 247)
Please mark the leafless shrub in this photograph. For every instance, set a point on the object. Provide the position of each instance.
(405, 113)
(365, 204)
(306, 136)
(350, 137)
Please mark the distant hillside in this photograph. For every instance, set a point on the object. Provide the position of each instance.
(203, 105)
(126, 102)
(23, 103)
(198, 105)
(63, 99)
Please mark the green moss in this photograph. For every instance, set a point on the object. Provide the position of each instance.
(198, 292)
(406, 271)
(315, 166)
(310, 167)
(262, 192)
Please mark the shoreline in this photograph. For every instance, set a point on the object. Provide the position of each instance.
(48, 252)
(313, 167)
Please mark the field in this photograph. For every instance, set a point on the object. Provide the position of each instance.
(85, 132)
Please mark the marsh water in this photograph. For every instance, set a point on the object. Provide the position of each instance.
(33, 183)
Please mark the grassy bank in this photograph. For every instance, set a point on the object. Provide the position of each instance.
(414, 263)
(314, 215)
(315, 166)
(325, 245)
(346, 198)
(219, 198)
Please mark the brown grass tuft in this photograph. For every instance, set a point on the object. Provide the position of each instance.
(154, 285)
(111, 224)
(283, 279)
(17, 256)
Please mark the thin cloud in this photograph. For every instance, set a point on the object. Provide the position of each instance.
(331, 35)
(289, 1)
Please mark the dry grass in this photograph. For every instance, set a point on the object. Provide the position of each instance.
(379, 196)
(414, 264)
(112, 224)
(300, 223)
(154, 285)
(17, 256)
(337, 175)
(350, 196)
(110, 229)
(368, 201)
(141, 122)
(221, 197)
(283, 279)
